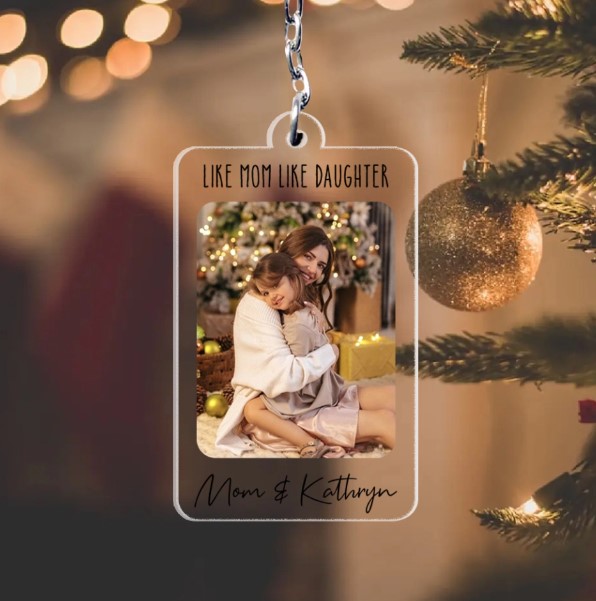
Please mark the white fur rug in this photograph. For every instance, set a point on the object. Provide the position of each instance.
(207, 428)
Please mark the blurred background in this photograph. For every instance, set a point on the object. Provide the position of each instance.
(93, 113)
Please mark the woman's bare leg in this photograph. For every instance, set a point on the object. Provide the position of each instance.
(256, 413)
(377, 397)
(376, 426)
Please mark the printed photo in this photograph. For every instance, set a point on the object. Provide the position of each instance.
(295, 330)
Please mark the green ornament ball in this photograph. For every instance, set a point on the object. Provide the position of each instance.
(343, 242)
(211, 347)
(216, 405)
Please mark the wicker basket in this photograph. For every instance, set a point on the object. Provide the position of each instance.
(216, 368)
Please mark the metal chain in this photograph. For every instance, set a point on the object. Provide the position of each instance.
(294, 59)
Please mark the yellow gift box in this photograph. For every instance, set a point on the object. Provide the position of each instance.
(364, 355)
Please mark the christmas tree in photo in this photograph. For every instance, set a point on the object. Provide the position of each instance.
(479, 246)
(236, 234)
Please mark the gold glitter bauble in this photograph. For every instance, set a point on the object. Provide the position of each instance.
(216, 405)
(211, 346)
(475, 254)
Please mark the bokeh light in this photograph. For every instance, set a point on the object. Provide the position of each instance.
(147, 22)
(24, 76)
(272, 1)
(154, 1)
(81, 28)
(395, 4)
(325, 2)
(127, 59)
(3, 97)
(86, 78)
(172, 31)
(13, 29)
(32, 103)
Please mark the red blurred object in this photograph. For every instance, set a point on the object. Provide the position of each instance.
(103, 343)
(587, 411)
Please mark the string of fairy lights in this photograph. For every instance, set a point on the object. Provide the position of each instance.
(109, 43)
(84, 77)
(255, 241)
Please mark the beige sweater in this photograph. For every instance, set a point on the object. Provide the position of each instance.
(265, 364)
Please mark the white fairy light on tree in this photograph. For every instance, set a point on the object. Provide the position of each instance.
(237, 235)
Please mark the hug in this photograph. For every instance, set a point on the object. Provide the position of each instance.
(287, 394)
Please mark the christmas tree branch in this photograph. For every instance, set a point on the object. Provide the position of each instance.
(553, 350)
(564, 213)
(580, 109)
(557, 11)
(554, 177)
(570, 515)
(461, 49)
(558, 40)
(515, 525)
(571, 20)
(565, 165)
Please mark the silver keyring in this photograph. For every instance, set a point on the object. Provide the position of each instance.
(295, 135)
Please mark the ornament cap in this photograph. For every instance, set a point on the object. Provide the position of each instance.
(477, 165)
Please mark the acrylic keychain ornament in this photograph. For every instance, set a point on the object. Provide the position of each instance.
(233, 205)
(475, 253)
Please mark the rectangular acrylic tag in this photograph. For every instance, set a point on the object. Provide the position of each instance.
(232, 206)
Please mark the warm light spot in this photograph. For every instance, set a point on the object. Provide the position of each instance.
(31, 103)
(81, 28)
(13, 28)
(530, 507)
(395, 4)
(127, 59)
(325, 2)
(86, 78)
(172, 30)
(3, 97)
(272, 1)
(24, 76)
(147, 22)
(360, 4)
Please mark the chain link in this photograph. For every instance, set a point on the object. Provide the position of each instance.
(295, 66)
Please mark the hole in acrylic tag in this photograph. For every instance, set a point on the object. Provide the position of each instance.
(233, 205)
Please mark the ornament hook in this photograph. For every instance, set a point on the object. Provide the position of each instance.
(477, 165)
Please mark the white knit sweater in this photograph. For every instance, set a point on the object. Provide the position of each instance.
(264, 363)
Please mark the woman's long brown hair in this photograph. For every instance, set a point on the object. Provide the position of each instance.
(302, 240)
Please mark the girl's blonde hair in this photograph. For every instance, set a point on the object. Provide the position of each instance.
(271, 269)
